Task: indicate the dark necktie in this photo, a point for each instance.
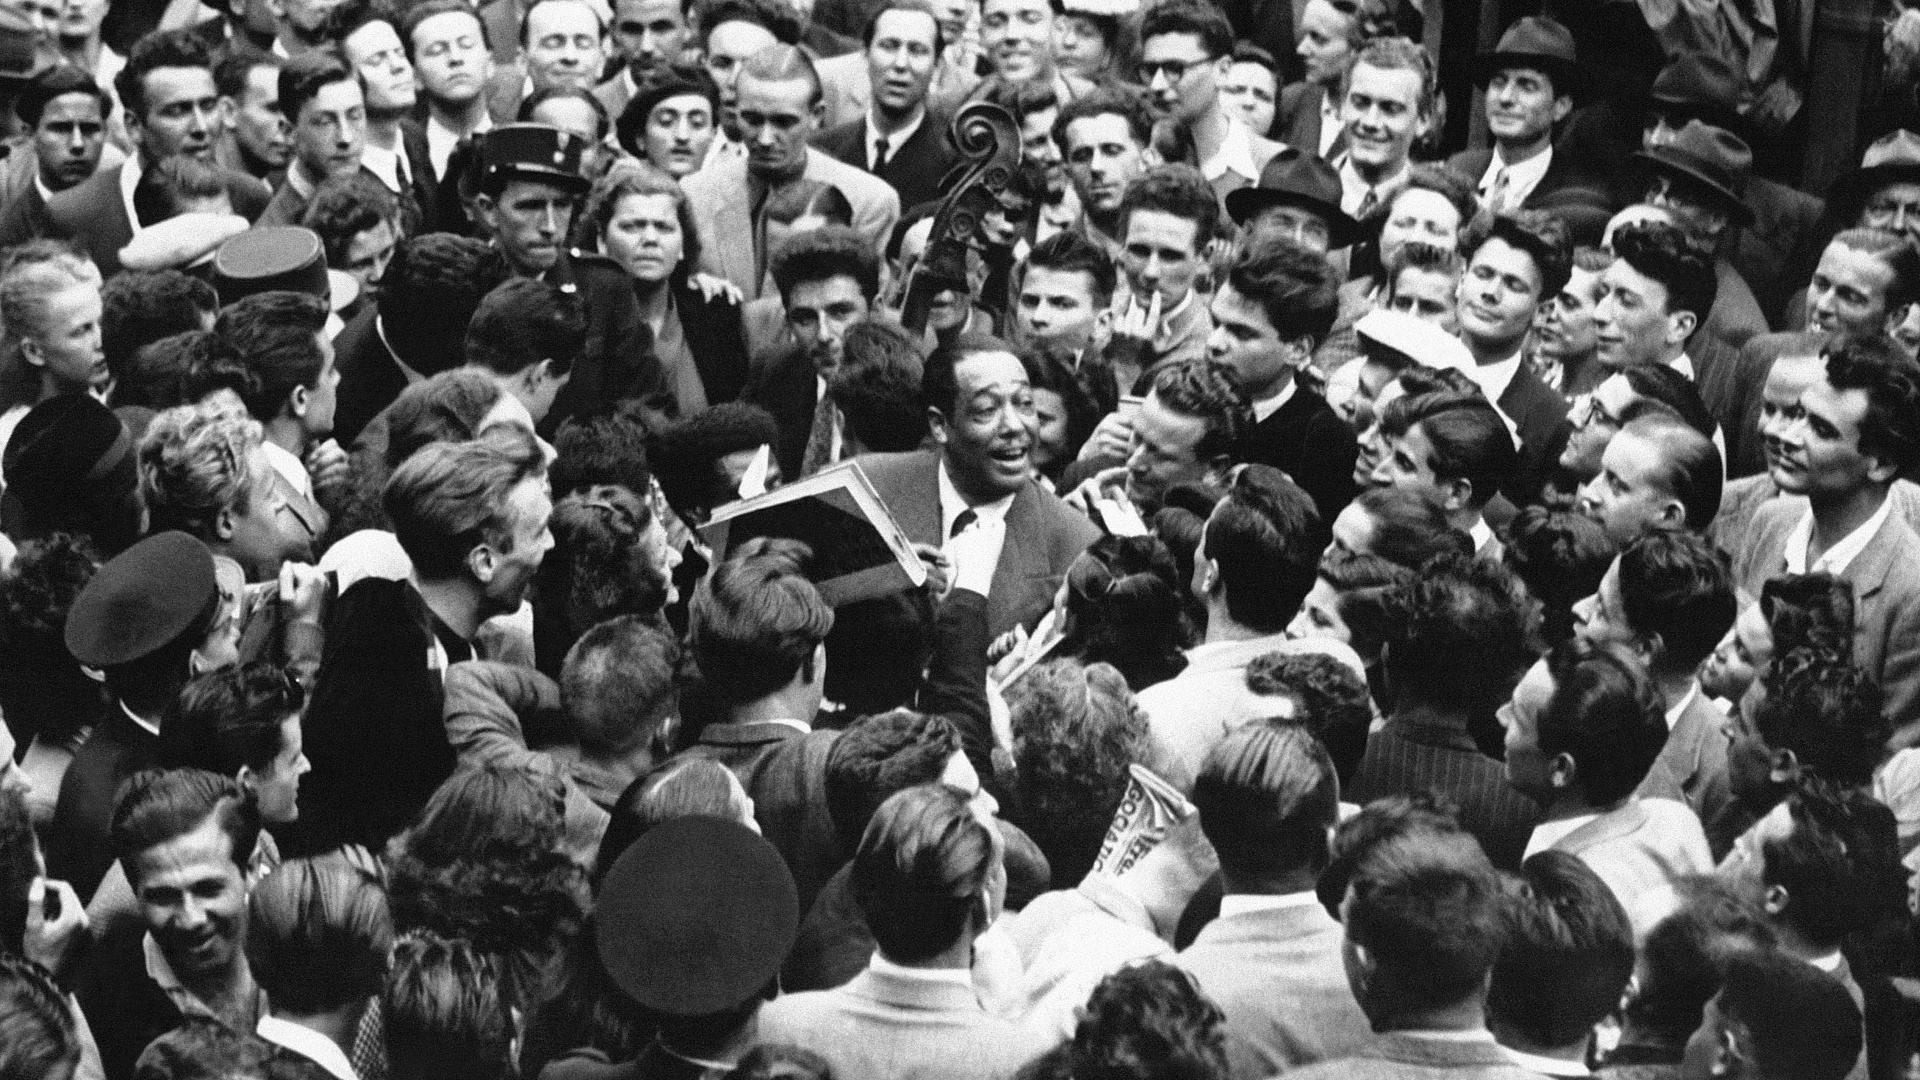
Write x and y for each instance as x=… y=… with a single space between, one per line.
x=879 y=155
x=1367 y=204
x=962 y=521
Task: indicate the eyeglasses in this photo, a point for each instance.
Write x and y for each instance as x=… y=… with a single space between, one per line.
x=1175 y=69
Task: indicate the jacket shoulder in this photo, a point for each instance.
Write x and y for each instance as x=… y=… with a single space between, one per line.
x=1471 y=163
x=592 y=262
x=840 y=139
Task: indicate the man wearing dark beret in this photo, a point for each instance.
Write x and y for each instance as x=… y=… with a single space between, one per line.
x=138 y=622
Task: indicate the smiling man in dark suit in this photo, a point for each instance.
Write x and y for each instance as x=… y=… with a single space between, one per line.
x=172 y=107
x=980 y=409
x=1528 y=81
x=900 y=140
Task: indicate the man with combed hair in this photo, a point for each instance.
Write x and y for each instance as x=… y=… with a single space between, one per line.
x=1106 y=137
x=1256 y=562
x=1064 y=292
x=1185 y=432
x=1424 y=927
x=1657 y=473
x=1654 y=295
x=526 y=335
x=1454 y=451
x=1858 y=430
x=1458 y=607
x=780 y=109
x=324 y=103
x=899 y=139
x=929 y=879
x=1386 y=106
x=204 y=471
x=1186 y=51
x=1584 y=727
x=1166 y=223
x=1775 y=1018
x=1268 y=801
x=1666 y=598
x=472 y=519
x=1524 y=262
x=1567 y=957
x=186 y=838
x=1275 y=308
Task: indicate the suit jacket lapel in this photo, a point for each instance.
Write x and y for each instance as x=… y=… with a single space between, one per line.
x=1870 y=569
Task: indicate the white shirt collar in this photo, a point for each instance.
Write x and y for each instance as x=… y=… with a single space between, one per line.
x=288 y=466
x=952 y=503
x=1548 y=833
x=1264 y=409
x=1473 y=1035
x=1841 y=555
x=39 y=185
x=1521 y=178
x=309 y=1044
x=1242 y=904
x=1829 y=963
x=896 y=140
x=1680 y=707
x=1682 y=364
x=951 y=976
x=130 y=179
x=390 y=165
x=1330 y=125
x=1235 y=153
x=145 y=724
x=1493 y=379
x=1481 y=533
x=441 y=140
x=1546 y=1066
x=1353 y=187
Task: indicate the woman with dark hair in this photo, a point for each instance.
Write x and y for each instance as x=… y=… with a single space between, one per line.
x=1397 y=526
x=646 y=225
x=1795 y=611
x=1065 y=409
x=46 y=699
x=1348 y=605
x=1121 y=604
x=610 y=557
x=1560 y=557
x=671 y=120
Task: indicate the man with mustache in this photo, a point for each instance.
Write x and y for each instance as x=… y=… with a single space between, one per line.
x=900 y=140
x=1855 y=432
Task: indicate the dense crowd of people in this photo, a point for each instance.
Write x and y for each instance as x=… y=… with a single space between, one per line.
x=1418 y=540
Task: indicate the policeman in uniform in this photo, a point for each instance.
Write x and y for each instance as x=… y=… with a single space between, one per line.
x=530 y=181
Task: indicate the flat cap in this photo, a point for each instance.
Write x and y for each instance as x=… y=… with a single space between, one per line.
x=141 y=601
x=696 y=917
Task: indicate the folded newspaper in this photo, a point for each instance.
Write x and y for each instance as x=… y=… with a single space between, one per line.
x=859 y=551
x=1147 y=811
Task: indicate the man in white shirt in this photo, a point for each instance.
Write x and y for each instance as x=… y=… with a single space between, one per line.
x=1388 y=105
x=447 y=44
x=1186 y=52
x=1528 y=82
x=1857 y=430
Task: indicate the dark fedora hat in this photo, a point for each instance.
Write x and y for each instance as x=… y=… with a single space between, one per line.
x=1701 y=83
x=1533 y=42
x=1294 y=178
x=1893 y=157
x=1712 y=157
x=21 y=59
x=534 y=152
x=696 y=917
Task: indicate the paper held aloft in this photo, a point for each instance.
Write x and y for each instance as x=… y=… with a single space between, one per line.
x=859 y=551
x=1147 y=811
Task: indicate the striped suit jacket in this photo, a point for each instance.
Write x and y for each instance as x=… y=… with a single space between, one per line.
x=1419 y=751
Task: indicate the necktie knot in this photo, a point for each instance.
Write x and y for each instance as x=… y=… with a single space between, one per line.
x=879 y=153
x=962 y=521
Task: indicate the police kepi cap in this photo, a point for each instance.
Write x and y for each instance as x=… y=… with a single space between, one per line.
x=282 y=258
x=534 y=152
x=696 y=917
x=141 y=601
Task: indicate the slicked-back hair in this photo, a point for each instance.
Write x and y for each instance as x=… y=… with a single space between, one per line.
x=784 y=63
x=877 y=387
x=1197 y=17
x=1678 y=586
x=1568 y=953
x=1266 y=537
x=139 y=307
x=1268 y=798
x=1181 y=191
x=160 y=49
x=158 y=806
x=775 y=18
x=618 y=684
x=879 y=755
x=1683 y=954
x=1070 y=251
x=1296 y=288
x=427 y=9
x=305 y=75
x=524 y=321
x=449 y=498
x=1112 y=100
x=602 y=123
x=57 y=82
x=755 y=623
x=1689 y=465
x=1891 y=428
x=824 y=254
x=1827 y=712
x=1662 y=384
x=231 y=718
x=1794 y=1019
x=1560 y=556
x=1899 y=255
x=448 y=407
x=1469 y=441
x=277 y=336
x=1362 y=584
x=1428 y=908
x=1409 y=528
x=1607 y=714
x=939 y=385
x=1839 y=864
x=1200 y=389
x=318 y=933
x=1456 y=607
x=1542 y=236
x=921 y=868
x=1675 y=258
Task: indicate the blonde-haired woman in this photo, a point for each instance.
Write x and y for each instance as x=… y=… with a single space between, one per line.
x=49 y=329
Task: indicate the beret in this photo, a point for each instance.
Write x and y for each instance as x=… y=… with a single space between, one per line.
x=141 y=600
x=63 y=442
x=696 y=917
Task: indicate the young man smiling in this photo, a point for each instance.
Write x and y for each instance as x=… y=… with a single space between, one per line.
x=1388 y=105
x=1528 y=81
x=1186 y=51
